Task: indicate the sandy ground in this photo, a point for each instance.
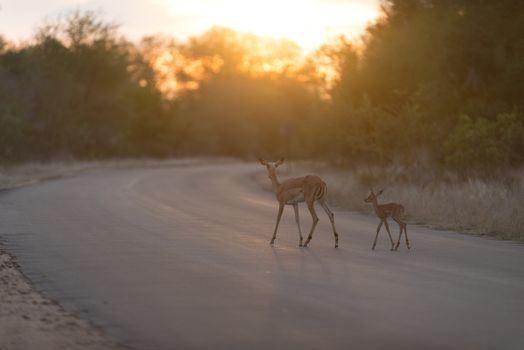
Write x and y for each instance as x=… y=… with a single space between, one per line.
x=29 y=320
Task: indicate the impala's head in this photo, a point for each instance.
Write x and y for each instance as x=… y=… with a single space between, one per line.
x=271 y=166
x=372 y=196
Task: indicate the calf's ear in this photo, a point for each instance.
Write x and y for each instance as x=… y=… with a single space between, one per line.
x=279 y=162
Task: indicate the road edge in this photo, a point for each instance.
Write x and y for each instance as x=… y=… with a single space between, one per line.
x=28 y=318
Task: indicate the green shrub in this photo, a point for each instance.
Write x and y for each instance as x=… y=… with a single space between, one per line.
x=12 y=132
x=485 y=145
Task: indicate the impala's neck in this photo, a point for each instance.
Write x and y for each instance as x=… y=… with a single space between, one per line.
x=375 y=205
x=274 y=182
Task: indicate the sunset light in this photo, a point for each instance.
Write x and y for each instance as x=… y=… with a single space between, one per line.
x=307 y=22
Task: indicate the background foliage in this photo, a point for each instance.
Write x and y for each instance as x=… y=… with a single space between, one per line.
x=433 y=82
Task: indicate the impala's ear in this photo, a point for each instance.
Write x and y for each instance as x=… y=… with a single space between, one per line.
x=262 y=161
x=279 y=162
x=380 y=192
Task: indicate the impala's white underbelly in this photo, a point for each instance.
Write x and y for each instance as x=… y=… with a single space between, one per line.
x=297 y=198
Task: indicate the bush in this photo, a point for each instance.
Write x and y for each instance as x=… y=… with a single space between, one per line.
x=12 y=136
x=485 y=145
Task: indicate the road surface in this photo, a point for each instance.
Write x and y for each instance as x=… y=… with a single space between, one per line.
x=178 y=258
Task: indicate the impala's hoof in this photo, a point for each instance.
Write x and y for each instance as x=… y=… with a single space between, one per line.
x=336 y=245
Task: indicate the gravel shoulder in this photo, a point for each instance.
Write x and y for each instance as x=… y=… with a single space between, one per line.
x=29 y=320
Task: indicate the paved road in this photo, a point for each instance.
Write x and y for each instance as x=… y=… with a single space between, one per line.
x=178 y=258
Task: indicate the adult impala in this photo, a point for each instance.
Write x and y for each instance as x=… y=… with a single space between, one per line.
x=309 y=189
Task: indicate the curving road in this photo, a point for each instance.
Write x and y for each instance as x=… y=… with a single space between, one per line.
x=178 y=258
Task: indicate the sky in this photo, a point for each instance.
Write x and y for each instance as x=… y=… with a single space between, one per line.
x=307 y=22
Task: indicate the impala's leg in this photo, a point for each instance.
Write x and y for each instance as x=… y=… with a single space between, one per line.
x=280 y=210
x=295 y=206
x=311 y=207
x=376 y=236
x=389 y=234
x=401 y=226
x=406 y=234
x=332 y=219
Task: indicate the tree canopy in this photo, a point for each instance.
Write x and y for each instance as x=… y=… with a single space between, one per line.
x=431 y=80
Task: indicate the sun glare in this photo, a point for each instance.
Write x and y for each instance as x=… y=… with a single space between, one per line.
x=307 y=22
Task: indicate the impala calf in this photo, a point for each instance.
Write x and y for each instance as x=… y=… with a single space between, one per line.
x=383 y=211
x=307 y=189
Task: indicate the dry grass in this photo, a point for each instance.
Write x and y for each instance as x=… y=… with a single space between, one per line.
x=490 y=207
x=487 y=207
